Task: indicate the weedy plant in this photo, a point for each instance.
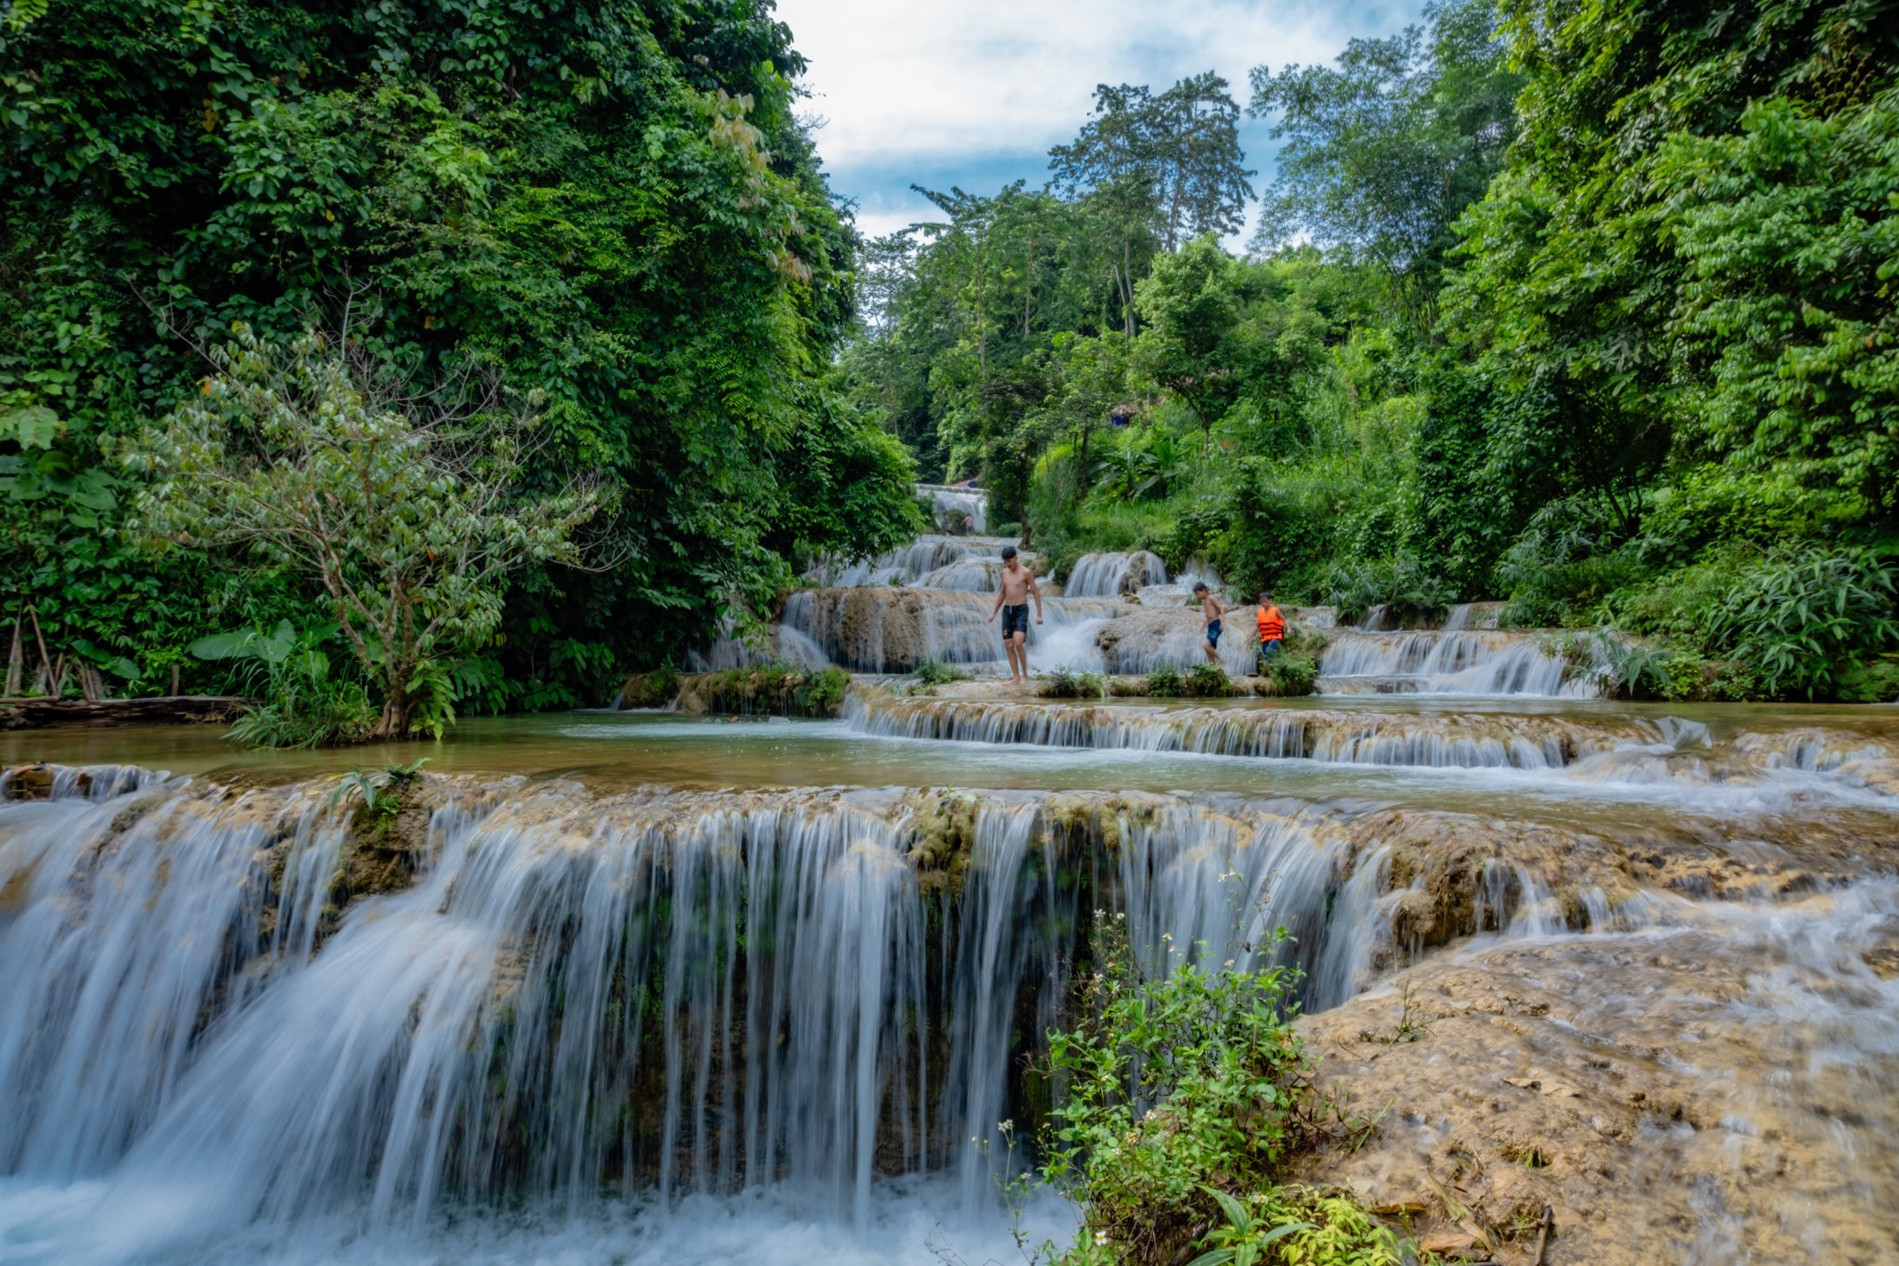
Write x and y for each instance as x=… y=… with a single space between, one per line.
x=378 y=790
x=1066 y=683
x=936 y=672
x=1165 y=683
x=1207 y=681
x=1179 y=1094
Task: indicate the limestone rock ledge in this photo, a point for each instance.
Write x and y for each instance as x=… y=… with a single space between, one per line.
x=1693 y=1094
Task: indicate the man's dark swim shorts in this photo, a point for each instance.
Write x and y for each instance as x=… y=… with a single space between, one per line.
x=1015 y=620
x=1213 y=633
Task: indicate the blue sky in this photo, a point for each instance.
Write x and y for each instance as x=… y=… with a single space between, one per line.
x=973 y=92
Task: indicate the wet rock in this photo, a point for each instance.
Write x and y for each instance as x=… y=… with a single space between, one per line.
x=28 y=782
x=1661 y=1092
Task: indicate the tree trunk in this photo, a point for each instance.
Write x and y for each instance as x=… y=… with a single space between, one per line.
x=398 y=711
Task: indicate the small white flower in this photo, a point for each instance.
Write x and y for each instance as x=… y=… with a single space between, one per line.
x=1101 y=1237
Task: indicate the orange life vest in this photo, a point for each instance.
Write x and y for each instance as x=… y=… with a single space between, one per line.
x=1272 y=625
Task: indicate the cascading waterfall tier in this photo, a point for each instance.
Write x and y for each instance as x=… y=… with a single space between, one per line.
x=1451 y=662
x=571 y=997
x=971 y=503
x=894 y=628
x=1470 y=741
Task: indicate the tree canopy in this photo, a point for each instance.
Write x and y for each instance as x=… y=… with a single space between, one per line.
x=610 y=204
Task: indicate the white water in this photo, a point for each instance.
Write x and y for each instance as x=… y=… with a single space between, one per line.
x=1450 y=662
x=1365 y=738
x=867 y=630
x=476 y=1039
x=1110 y=575
x=973 y=502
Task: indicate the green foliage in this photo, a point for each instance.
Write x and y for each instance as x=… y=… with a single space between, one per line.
x=409 y=523
x=1166 y=682
x=1798 y=616
x=1293 y=673
x=1206 y=681
x=1302 y=1226
x=1065 y=683
x=934 y=672
x=1789 y=241
x=1385 y=150
x=1181 y=147
x=781 y=689
x=1402 y=585
x=300 y=703
x=612 y=204
x=1173 y=1081
x=379 y=791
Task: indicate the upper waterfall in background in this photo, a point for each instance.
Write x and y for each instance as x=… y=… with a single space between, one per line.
x=1121 y=613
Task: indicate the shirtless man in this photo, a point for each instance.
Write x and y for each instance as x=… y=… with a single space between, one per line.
x=1211 y=609
x=1018 y=585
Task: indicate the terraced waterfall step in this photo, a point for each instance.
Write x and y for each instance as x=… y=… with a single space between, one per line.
x=1557 y=951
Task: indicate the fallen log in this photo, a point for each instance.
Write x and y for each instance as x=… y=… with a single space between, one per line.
x=33 y=713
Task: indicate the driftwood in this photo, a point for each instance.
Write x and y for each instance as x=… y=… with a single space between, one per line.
x=31 y=713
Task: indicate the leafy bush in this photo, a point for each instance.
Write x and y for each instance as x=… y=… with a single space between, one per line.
x=317 y=457
x=1565 y=562
x=1172 y=1082
x=1165 y=683
x=1874 y=681
x=1401 y=584
x=1301 y=1225
x=1206 y=681
x=1802 y=613
x=1291 y=674
x=302 y=704
x=935 y=672
x=1065 y=683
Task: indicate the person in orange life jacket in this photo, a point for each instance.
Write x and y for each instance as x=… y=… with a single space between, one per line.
x=1272 y=629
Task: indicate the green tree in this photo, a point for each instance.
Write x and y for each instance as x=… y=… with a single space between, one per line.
x=610 y=203
x=1385 y=150
x=1182 y=146
x=1789 y=236
x=401 y=508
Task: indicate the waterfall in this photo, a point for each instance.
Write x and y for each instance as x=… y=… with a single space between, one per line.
x=973 y=502
x=1450 y=662
x=1467 y=741
x=1110 y=575
x=892 y=629
x=578 y=998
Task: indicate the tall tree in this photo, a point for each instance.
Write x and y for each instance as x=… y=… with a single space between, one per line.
x=607 y=200
x=1385 y=150
x=1182 y=143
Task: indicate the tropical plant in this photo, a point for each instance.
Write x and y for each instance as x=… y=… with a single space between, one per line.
x=300 y=702
x=1171 y=1081
x=1799 y=616
x=1067 y=683
x=406 y=511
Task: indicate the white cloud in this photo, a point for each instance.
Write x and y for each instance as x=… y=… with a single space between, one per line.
x=974 y=92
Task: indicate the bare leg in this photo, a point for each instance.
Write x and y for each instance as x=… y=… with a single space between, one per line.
x=1212 y=654
x=1019 y=657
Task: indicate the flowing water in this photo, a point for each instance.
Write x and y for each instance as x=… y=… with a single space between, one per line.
x=1122 y=613
x=638 y=987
